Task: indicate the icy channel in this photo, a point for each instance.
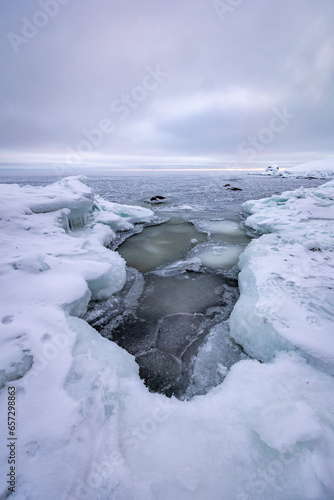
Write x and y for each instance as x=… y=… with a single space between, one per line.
x=177 y=304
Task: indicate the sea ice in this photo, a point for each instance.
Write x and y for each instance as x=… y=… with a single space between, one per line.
x=179 y=267
x=214 y=359
x=287 y=277
x=217 y=256
x=226 y=227
x=87 y=425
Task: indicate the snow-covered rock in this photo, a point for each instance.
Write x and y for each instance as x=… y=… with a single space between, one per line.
x=272 y=169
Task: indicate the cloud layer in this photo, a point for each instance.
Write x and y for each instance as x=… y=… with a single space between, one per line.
x=187 y=80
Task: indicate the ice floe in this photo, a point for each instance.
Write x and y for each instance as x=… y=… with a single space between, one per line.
x=217 y=256
x=225 y=227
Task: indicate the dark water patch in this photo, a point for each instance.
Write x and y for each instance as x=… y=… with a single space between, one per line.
x=188 y=293
x=163 y=321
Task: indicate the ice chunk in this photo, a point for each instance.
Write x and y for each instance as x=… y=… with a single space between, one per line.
x=120 y=217
x=179 y=267
x=214 y=359
x=227 y=227
x=217 y=256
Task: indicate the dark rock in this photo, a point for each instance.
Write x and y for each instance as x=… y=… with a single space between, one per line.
x=157 y=198
x=234 y=189
x=226 y=185
x=272 y=168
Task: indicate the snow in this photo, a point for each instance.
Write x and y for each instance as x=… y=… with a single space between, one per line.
x=327 y=164
x=318 y=169
x=287 y=277
x=87 y=427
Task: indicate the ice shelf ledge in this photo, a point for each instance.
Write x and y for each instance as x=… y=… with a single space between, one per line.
x=287 y=277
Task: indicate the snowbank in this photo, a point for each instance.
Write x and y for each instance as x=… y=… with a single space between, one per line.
x=87 y=428
x=318 y=165
x=319 y=169
x=287 y=277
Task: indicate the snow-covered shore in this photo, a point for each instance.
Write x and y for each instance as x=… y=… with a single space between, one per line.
x=87 y=427
x=287 y=277
x=318 y=169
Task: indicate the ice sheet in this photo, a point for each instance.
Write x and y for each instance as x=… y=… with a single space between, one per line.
x=88 y=427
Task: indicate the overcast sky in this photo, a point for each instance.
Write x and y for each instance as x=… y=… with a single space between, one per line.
x=171 y=83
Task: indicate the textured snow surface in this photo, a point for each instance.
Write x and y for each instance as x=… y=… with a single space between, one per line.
x=327 y=164
x=287 y=277
x=87 y=426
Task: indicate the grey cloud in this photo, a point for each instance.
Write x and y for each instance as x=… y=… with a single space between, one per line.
x=225 y=77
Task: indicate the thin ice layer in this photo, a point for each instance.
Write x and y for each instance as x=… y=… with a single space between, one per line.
x=217 y=256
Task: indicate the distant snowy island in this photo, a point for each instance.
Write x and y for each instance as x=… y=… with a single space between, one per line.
x=88 y=428
x=319 y=169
